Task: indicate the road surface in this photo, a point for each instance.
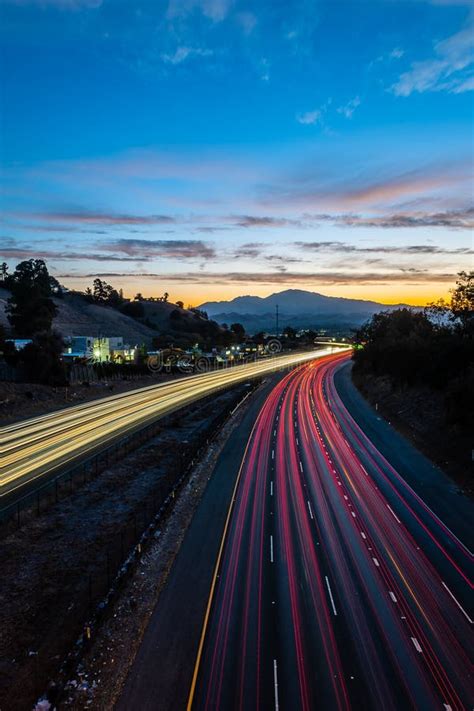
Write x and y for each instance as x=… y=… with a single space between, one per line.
x=336 y=586
x=34 y=448
x=160 y=676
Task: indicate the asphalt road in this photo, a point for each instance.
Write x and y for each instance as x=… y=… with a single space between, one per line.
x=429 y=481
x=338 y=587
x=33 y=449
x=161 y=675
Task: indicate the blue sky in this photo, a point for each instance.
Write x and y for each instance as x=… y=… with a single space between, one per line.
x=215 y=147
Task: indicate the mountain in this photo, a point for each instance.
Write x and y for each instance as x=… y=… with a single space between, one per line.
x=296 y=307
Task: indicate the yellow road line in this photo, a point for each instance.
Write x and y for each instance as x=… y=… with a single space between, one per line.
x=216 y=570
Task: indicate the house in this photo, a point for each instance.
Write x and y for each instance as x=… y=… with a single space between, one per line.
x=100 y=350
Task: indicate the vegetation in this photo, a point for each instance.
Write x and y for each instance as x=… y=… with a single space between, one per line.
x=30 y=308
x=41 y=359
x=433 y=348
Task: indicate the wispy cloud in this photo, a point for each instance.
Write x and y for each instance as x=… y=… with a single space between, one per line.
x=101 y=218
x=366 y=192
x=348 y=109
x=308 y=279
x=450 y=70
x=215 y=10
x=19 y=252
x=335 y=246
x=171 y=249
x=264 y=221
x=452 y=219
x=181 y=54
x=396 y=53
x=308 y=118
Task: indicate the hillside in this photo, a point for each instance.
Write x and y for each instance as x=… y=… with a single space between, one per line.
x=297 y=308
x=76 y=317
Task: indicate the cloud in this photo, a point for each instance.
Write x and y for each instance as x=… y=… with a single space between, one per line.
x=102 y=218
x=251 y=250
x=396 y=53
x=467 y=85
x=256 y=221
x=309 y=117
x=334 y=246
x=170 y=249
x=454 y=57
x=183 y=53
x=349 y=108
x=18 y=252
x=321 y=278
x=215 y=10
x=451 y=219
x=364 y=192
x=247 y=21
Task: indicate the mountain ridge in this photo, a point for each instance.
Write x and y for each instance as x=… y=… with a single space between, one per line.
x=304 y=308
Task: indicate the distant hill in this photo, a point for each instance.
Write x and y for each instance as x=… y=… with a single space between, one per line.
x=298 y=308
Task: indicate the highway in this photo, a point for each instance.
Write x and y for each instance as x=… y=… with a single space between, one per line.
x=335 y=585
x=34 y=448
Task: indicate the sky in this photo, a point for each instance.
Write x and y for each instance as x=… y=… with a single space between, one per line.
x=213 y=148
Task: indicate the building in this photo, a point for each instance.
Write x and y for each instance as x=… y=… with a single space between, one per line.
x=103 y=349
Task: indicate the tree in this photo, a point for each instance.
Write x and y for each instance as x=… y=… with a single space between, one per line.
x=180 y=304
x=290 y=333
x=3 y=272
x=105 y=294
x=238 y=330
x=462 y=298
x=42 y=359
x=437 y=312
x=30 y=309
x=165 y=296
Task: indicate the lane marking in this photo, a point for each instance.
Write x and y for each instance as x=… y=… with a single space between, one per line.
x=271 y=488
x=458 y=603
x=197 y=663
x=363 y=535
x=271 y=549
x=310 y=511
x=353 y=514
x=416 y=644
x=331 y=597
x=376 y=562
x=301 y=467
x=273 y=454
x=275 y=684
x=392 y=596
x=393 y=514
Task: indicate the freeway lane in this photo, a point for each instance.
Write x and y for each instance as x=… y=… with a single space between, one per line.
x=338 y=587
x=33 y=448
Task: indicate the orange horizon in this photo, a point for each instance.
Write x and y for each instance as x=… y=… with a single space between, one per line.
x=196 y=294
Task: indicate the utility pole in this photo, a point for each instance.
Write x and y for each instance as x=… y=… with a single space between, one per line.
x=276 y=316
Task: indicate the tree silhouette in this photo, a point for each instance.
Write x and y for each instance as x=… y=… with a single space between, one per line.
x=30 y=308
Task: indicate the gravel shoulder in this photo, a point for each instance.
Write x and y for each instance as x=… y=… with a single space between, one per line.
x=54 y=568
